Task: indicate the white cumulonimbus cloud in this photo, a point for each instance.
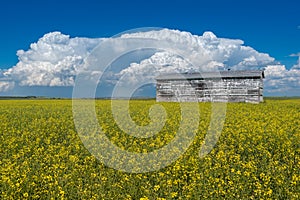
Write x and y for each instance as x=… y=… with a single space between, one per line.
x=53 y=61
x=219 y=54
x=6 y=85
x=296 y=66
x=56 y=59
x=279 y=79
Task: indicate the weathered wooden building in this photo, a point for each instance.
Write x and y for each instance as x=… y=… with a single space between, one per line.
x=223 y=86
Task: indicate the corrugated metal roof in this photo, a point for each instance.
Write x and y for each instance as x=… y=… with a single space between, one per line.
x=208 y=75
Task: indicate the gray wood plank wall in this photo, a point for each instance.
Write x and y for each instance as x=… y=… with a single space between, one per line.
x=210 y=90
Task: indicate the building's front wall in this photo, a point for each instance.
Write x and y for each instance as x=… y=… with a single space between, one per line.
x=215 y=90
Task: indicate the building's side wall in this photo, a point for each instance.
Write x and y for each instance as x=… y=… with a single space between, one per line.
x=216 y=90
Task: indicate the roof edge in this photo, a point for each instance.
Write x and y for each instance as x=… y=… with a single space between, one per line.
x=213 y=74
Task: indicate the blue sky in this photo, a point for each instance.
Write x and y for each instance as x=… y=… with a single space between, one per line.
x=271 y=27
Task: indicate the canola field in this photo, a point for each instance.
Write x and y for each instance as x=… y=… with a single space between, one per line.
x=256 y=157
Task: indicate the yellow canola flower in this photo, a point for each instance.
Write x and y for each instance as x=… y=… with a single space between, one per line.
x=256 y=157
